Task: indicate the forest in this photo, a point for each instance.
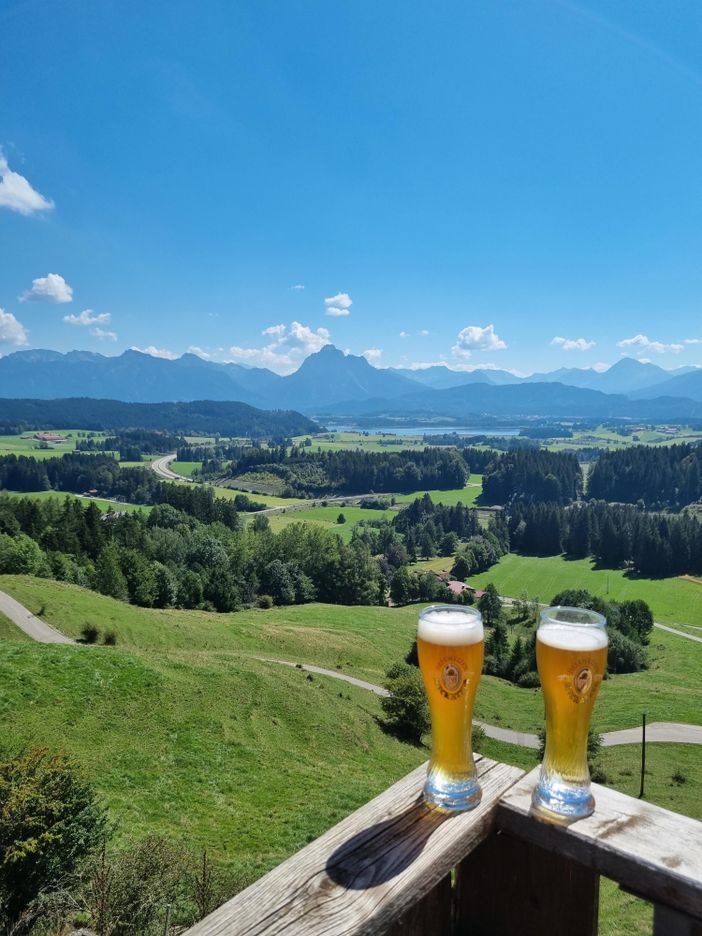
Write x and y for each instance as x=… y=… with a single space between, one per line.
x=308 y=473
x=203 y=417
x=533 y=475
x=665 y=476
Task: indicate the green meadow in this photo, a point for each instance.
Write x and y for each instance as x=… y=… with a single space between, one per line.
x=673 y=600
x=186 y=733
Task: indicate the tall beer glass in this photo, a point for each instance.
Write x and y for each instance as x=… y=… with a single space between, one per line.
x=571 y=654
x=450 y=647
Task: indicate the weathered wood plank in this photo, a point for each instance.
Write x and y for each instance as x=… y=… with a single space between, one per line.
x=366 y=872
x=650 y=851
x=431 y=916
x=507 y=886
x=667 y=922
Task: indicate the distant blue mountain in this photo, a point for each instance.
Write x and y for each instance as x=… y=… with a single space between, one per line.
x=333 y=382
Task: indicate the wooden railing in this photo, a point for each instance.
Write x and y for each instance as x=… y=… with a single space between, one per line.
x=395 y=867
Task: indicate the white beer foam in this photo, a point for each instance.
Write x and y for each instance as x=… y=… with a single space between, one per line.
x=572 y=637
x=449 y=628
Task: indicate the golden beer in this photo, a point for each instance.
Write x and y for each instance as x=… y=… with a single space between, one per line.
x=571 y=655
x=450 y=647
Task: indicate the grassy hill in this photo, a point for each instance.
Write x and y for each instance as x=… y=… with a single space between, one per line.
x=184 y=732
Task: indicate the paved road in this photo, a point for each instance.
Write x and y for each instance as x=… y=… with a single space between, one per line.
x=162 y=468
x=656 y=731
x=31 y=625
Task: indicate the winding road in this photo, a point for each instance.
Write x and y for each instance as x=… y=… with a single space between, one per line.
x=673 y=732
x=162 y=468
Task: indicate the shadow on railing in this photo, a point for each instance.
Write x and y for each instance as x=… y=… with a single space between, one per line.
x=395 y=867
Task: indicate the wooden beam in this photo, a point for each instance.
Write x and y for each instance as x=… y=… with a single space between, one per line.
x=507 y=886
x=367 y=872
x=667 y=922
x=650 y=851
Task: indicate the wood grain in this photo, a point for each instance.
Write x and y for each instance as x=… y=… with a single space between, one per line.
x=650 y=851
x=508 y=886
x=367 y=872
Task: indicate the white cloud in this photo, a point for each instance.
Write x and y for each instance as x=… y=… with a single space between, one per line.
x=103 y=335
x=372 y=355
x=644 y=343
x=11 y=331
x=336 y=311
x=601 y=367
x=424 y=332
x=290 y=344
x=200 y=352
x=298 y=287
x=49 y=288
x=692 y=340
x=573 y=344
x=17 y=194
x=404 y=334
x=338 y=305
x=462 y=368
x=474 y=338
x=88 y=317
x=156 y=352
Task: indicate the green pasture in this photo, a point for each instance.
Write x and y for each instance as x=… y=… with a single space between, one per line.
x=673 y=600
x=467 y=495
x=26 y=444
x=185 y=733
x=185 y=467
x=376 y=442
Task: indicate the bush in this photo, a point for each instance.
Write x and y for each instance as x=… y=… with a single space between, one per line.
x=265 y=602
x=406 y=710
x=50 y=820
x=110 y=639
x=478 y=737
x=127 y=891
x=529 y=680
x=90 y=633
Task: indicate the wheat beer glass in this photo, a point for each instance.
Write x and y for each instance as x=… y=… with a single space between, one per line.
x=571 y=654
x=450 y=648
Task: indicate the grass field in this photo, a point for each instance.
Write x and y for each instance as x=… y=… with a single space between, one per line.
x=673 y=600
x=270 y=500
x=467 y=495
x=185 y=733
x=185 y=468
x=338 y=441
x=105 y=505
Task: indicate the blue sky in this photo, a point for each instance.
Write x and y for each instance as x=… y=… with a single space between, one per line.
x=461 y=181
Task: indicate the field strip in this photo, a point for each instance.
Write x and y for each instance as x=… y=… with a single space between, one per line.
x=673 y=732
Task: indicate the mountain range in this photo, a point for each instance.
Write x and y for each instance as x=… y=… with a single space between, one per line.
x=330 y=382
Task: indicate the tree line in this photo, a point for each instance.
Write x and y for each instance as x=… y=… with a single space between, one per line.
x=654 y=544
x=664 y=476
x=169 y=558
x=308 y=473
x=201 y=417
x=534 y=475
x=131 y=444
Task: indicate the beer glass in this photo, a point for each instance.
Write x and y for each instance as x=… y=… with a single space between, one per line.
x=571 y=655
x=450 y=647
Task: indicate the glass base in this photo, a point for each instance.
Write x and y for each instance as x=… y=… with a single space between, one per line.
x=452 y=795
x=564 y=799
